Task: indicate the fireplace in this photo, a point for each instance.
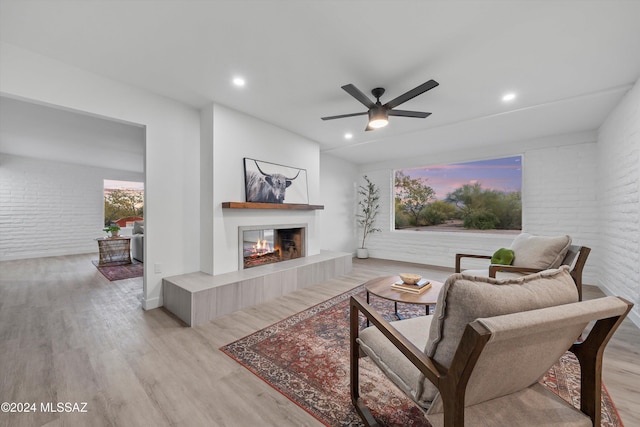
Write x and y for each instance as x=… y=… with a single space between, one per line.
x=267 y=244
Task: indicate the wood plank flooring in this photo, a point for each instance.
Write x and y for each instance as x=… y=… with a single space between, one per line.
x=69 y=335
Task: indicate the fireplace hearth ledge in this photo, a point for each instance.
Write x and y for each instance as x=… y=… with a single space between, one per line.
x=197 y=298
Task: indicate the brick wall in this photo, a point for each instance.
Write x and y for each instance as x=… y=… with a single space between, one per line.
x=559 y=197
x=51 y=208
x=619 y=201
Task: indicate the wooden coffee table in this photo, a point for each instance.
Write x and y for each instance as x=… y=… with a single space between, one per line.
x=381 y=287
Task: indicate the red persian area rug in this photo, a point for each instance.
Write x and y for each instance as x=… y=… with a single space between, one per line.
x=121 y=272
x=306 y=358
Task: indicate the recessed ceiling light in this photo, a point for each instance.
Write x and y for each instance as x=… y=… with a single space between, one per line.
x=509 y=97
x=348 y=135
x=239 y=81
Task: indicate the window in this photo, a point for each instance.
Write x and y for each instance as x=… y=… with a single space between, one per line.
x=480 y=195
x=123 y=202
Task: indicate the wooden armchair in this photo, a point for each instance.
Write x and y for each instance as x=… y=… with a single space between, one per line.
x=576 y=257
x=492 y=377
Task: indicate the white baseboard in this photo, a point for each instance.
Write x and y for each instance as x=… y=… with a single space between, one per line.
x=47 y=254
x=151 y=303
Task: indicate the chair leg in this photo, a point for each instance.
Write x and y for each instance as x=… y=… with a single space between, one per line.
x=589 y=354
x=354 y=370
x=365 y=414
x=354 y=347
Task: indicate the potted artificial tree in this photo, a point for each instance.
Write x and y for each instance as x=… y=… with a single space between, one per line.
x=368 y=207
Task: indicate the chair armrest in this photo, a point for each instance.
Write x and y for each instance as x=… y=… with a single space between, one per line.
x=460 y=256
x=494 y=268
x=424 y=363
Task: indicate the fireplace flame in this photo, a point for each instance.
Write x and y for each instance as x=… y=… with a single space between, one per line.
x=261 y=247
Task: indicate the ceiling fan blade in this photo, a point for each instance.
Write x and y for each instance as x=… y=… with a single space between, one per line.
x=411 y=94
x=342 y=116
x=405 y=113
x=357 y=94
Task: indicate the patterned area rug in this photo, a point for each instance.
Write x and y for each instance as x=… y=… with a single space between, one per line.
x=306 y=358
x=121 y=272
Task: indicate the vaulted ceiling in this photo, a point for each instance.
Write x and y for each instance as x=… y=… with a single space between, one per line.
x=569 y=62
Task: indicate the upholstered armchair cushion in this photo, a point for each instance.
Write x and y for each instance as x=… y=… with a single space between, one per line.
x=465 y=298
x=138 y=227
x=539 y=251
x=532 y=406
x=391 y=360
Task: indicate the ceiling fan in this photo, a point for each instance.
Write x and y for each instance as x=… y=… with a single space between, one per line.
x=379 y=113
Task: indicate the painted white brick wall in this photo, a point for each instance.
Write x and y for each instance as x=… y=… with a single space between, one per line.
x=559 y=192
x=51 y=208
x=619 y=201
x=560 y=197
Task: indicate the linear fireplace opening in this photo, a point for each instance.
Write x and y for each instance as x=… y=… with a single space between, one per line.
x=267 y=244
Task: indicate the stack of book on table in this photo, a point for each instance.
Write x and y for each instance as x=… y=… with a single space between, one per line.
x=420 y=287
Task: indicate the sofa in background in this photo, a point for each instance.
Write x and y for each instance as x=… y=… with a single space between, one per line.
x=137 y=241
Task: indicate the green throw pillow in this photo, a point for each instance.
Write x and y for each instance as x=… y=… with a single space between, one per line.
x=502 y=256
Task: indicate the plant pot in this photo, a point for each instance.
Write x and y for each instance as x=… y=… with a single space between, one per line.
x=362 y=253
x=114 y=234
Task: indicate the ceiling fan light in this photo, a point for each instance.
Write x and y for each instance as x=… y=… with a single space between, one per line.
x=379 y=123
x=378 y=118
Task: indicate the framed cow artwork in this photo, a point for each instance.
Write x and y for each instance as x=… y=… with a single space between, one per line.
x=266 y=182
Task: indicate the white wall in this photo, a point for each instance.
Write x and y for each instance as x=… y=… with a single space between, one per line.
x=172 y=170
x=338 y=191
x=236 y=136
x=51 y=208
x=619 y=201
x=206 y=189
x=559 y=197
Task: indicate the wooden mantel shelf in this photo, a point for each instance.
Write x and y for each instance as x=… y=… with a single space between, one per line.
x=286 y=206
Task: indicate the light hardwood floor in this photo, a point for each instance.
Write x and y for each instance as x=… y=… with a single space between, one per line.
x=69 y=335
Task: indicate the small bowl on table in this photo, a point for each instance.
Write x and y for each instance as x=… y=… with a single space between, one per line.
x=410 y=278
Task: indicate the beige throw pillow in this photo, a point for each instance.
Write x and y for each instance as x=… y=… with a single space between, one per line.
x=539 y=251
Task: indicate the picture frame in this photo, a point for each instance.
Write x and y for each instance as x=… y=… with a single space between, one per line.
x=267 y=182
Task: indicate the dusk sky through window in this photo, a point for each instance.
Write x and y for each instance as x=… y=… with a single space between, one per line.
x=123 y=185
x=504 y=174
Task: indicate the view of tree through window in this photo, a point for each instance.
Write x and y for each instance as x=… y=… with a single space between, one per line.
x=481 y=195
x=123 y=199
